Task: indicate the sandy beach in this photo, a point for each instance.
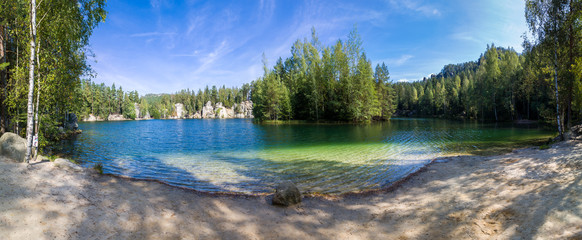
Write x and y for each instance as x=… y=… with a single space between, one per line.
x=526 y=194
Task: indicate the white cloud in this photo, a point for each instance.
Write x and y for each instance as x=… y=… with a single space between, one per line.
x=416 y=7
x=397 y=61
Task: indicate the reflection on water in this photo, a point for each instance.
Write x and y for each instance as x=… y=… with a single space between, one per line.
x=237 y=155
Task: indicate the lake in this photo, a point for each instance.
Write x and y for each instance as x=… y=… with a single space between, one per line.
x=237 y=155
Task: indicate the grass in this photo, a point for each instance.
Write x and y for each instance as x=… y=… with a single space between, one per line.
x=98 y=167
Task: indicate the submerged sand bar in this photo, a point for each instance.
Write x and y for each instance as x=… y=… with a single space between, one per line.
x=528 y=193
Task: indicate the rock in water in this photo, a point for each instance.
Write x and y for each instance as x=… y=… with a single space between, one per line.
x=286 y=194
x=64 y=163
x=13 y=146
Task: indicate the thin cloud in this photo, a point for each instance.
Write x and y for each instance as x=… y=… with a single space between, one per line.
x=397 y=61
x=464 y=36
x=152 y=34
x=416 y=7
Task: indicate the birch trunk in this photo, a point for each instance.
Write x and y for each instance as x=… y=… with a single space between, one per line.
x=30 y=116
x=557 y=94
x=3 y=94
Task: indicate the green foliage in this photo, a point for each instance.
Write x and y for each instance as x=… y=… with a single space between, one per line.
x=331 y=83
x=501 y=83
x=63 y=31
x=4 y=65
x=98 y=167
x=544 y=147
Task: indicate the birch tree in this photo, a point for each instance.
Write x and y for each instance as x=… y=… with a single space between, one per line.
x=31 y=63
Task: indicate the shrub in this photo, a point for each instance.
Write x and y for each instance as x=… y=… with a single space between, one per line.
x=99 y=168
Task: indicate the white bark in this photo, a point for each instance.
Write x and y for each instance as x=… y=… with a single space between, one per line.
x=3 y=117
x=30 y=116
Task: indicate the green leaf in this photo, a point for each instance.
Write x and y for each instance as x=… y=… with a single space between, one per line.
x=4 y=65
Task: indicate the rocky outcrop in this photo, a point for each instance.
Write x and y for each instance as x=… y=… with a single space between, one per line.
x=179 y=110
x=116 y=117
x=241 y=110
x=13 y=147
x=92 y=118
x=244 y=110
x=137 y=110
x=220 y=111
x=208 y=110
x=286 y=194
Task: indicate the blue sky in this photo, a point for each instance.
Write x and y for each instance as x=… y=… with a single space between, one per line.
x=163 y=46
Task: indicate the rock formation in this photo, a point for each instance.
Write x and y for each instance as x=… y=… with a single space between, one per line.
x=92 y=118
x=13 y=146
x=179 y=110
x=241 y=110
x=244 y=110
x=286 y=194
x=116 y=117
x=137 y=110
x=208 y=110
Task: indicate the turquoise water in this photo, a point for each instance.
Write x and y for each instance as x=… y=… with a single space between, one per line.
x=237 y=155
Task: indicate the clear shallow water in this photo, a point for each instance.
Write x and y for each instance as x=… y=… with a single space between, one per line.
x=239 y=156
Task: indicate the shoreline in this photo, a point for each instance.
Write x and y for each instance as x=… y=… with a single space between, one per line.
x=529 y=193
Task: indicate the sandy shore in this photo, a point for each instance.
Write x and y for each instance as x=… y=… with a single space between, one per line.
x=527 y=194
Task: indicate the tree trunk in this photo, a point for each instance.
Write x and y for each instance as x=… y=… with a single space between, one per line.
x=494 y=107
x=3 y=117
x=571 y=75
x=36 y=109
x=557 y=94
x=30 y=116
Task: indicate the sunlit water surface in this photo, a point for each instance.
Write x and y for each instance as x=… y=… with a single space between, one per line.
x=236 y=155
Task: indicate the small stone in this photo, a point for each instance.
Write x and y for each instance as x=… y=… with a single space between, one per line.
x=286 y=194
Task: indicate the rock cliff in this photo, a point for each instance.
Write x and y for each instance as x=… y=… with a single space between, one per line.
x=242 y=110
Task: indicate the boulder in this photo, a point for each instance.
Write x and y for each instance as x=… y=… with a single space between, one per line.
x=197 y=115
x=66 y=164
x=286 y=194
x=13 y=146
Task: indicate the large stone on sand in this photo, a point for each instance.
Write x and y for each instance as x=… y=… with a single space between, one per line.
x=286 y=194
x=13 y=147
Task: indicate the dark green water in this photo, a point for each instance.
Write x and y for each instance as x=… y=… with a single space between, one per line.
x=237 y=155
